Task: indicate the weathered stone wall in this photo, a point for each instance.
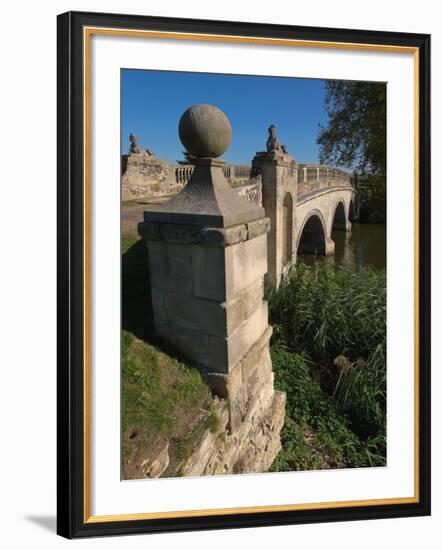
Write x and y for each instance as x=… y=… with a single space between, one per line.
x=250 y=449
x=145 y=175
x=190 y=293
x=249 y=189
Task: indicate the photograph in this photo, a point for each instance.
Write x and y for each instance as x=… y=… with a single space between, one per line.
x=243 y=269
x=227 y=220
x=253 y=274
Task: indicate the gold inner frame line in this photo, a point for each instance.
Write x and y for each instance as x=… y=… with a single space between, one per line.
x=87 y=34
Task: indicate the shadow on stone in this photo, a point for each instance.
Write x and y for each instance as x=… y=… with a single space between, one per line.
x=136 y=305
x=136 y=301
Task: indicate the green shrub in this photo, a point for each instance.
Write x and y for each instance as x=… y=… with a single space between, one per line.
x=309 y=407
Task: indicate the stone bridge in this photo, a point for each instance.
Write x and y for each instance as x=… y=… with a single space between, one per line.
x=305 y=203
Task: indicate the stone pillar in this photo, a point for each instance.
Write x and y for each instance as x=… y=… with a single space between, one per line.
x=207 y=258
x=279 y=176
x=329 y=246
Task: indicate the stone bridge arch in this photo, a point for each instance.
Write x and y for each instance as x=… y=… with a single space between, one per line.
x=339 y=218
x=312 y=234
x=332 y=207
x=340 y=214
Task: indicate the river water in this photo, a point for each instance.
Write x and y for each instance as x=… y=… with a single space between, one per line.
x=366 y=245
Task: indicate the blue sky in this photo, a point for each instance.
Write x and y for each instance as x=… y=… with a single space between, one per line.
x=153 y=102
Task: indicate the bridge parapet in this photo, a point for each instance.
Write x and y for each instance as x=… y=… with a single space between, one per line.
x=315 y=177
x=236 y=174
x=183 y=173
x=239 y=176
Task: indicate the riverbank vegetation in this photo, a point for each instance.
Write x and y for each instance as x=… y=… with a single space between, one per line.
x=328 y=352
x=355 y=138
x=329 y=355
x=372 y=191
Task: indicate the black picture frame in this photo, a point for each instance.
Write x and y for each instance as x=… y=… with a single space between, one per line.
x=72 y=393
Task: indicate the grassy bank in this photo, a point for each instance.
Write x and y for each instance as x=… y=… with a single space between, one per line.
x=162 y=400
x=329 y=352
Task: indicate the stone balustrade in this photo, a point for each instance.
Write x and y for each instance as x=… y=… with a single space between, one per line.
x=183 y=173
x=311 y=178
x=314 y=177
x=146 y=176
x=234 y=173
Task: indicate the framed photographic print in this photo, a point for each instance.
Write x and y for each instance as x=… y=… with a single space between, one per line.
x=243 y=274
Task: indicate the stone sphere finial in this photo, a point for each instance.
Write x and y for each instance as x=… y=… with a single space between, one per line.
x=205 y=131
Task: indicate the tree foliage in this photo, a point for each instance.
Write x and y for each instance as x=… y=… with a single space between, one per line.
x=355 y=135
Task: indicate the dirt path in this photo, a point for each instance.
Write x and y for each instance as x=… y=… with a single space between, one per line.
x=132 y=214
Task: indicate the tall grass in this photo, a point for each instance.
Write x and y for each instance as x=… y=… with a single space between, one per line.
x=328 y=311
x=334 y=318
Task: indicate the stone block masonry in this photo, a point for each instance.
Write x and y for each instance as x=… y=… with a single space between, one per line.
x=145 y=175
x=207 y=250
x=279 y=172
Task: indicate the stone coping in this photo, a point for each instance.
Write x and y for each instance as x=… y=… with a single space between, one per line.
x=305 y=197
x=210 y=236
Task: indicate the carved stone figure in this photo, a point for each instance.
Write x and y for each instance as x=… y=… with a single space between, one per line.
x=273 y=143
x=134 y=145
x=136 y=148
